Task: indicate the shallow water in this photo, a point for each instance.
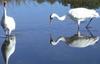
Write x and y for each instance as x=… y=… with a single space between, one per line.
x=33 y=33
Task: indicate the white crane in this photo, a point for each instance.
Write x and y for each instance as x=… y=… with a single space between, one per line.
x=77 y=40
x=7 y=22
x=8 y=47
x=78 y=15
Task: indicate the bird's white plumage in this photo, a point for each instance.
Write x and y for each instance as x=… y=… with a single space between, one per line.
x=83 y=13
x=7 y=22
x=78 y=15
x=10 y=23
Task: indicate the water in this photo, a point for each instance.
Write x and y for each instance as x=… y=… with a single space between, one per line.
x=33 y=34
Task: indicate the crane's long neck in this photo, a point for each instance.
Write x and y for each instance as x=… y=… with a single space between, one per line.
x=59 y=17
x=4 y=12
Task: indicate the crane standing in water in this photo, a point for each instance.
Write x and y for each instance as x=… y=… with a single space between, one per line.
x=7 y=22
x=78 y=15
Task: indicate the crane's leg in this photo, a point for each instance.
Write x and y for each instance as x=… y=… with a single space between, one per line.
x=78 y=23
x=89 y=22
x=9 y=32
x=78 y=27
x=6 y=32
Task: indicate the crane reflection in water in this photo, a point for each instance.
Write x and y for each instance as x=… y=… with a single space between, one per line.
x=77 y=40
x=8 y=47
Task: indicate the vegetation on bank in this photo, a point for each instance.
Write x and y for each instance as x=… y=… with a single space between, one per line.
x=74 y=3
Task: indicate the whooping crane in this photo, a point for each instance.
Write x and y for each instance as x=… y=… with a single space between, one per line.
x=7 y=22
x=78 y=15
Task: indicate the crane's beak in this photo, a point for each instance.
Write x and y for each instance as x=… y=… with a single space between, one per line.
x=50 y=20
x=51 y=40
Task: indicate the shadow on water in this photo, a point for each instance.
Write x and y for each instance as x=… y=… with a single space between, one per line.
x=8 y=48
x=77 y=40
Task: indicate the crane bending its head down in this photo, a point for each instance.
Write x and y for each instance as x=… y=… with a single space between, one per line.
x=55 y=15
x=78 y=15
x=7 y=22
